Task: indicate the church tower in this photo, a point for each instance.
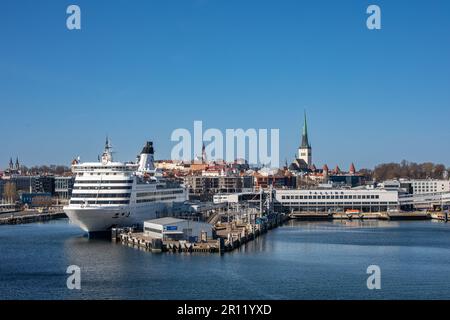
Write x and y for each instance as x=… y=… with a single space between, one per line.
x=305 y=152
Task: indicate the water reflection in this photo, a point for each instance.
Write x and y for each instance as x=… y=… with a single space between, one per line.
x=300 y=260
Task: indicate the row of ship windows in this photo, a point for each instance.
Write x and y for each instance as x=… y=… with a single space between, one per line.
x=155 y=199
x=103 y=181
x=109 y=168
x=104 y=188
x=332 y=197
x=101 y=195
x=160 y=193
x=119 y=201
x=100 y=202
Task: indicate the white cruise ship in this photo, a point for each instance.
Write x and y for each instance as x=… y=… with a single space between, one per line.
x=110 y=194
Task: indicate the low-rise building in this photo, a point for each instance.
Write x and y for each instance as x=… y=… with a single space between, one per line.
x=205 y=187
x=36 y=199
x=276 y=178
x=426 y=186
x=170 y=165
x=23 y=183
x=44 y=184
x=64 y=187
x=336 y=200
x=242 y=197
x=178 y=229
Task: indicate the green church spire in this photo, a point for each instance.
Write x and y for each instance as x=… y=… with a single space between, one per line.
x=305 y=142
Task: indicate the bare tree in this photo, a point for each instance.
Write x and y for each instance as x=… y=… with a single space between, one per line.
x=408 y=170
x=10 y=192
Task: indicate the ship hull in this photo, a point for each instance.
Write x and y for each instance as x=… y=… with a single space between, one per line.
x=102 y=219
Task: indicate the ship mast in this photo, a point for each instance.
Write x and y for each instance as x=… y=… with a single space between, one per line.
x=107 y=154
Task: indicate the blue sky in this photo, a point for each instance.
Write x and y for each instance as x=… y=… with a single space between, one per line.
x=140 y=69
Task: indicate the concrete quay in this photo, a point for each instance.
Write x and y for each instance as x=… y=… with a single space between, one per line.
x=22 y=217
x=310 y=216
x=141 y=241
x=229 y=236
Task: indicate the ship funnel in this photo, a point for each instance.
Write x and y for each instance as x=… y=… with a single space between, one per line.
x=146 y=159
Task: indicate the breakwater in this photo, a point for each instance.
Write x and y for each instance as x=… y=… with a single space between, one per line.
x=24 y=217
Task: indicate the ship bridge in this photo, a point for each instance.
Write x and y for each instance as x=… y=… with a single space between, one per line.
x=109 y=167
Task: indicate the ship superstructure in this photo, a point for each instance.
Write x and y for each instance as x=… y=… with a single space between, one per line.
x=109 y=194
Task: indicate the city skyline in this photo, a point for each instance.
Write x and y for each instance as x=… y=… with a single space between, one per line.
x=137 y=74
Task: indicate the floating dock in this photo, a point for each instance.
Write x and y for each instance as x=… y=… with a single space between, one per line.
x=441 y=216
x=311 y=216
x=408 y=216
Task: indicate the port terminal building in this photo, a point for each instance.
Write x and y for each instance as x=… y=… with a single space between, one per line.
x=321 y=200
x=336 y=200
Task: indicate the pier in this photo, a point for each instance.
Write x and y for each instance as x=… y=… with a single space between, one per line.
x=141 y=241
x=30 y=217
x=229 y=236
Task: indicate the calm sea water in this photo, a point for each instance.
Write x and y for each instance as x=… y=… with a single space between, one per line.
x=301 y=260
